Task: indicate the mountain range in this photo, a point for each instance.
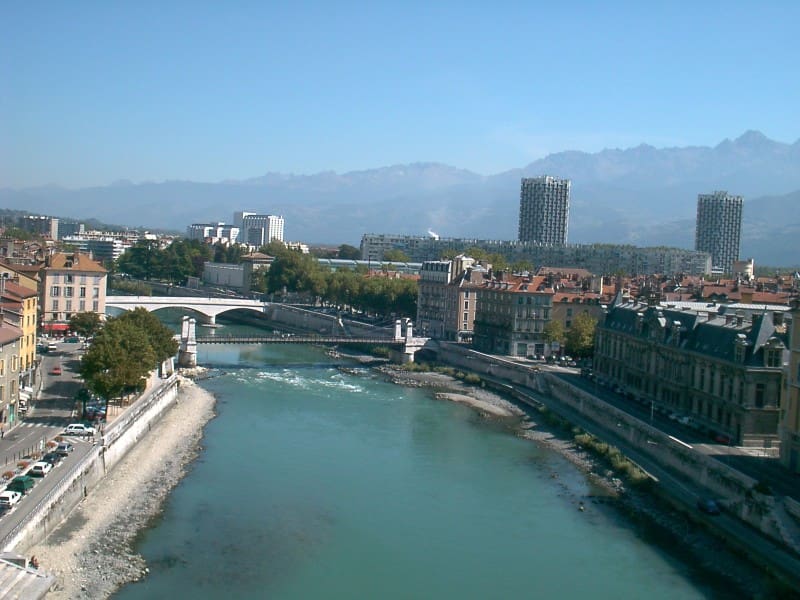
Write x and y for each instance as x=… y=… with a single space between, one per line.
x=644 y=195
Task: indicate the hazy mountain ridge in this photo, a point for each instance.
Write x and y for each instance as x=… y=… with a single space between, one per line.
x=642 y=195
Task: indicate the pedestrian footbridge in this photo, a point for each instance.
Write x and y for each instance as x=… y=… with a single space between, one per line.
x=207 y=308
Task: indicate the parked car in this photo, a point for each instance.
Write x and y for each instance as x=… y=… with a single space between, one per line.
x=9 y=498
x=40 y=469
x=73 y=339
x=52 y=457
x=64 y=448
x=21 y=484
x=78 y=429
x=708 y=506
x=55 y=370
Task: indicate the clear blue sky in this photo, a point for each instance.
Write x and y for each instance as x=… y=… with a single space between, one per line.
x=93 y=92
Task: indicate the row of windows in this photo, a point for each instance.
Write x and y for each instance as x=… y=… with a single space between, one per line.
x=70 y=278
x=55 y=292
x=81 y=306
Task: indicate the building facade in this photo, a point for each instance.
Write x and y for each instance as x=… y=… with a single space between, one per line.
x=790 y=405
x=511 y=315
x=719 y=228
x=20 y=307
x=10 y=336
x=544 y=210
x=259 y=230
x=71 y=283
x=722 y=371
x=213 y=232
x=447 y=298
x=597 y=258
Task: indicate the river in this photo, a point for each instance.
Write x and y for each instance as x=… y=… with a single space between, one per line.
x=313 y=483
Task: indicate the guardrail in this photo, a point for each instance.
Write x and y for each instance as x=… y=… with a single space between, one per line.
x=52 y=495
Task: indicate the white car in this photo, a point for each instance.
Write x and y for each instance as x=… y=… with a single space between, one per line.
x=78 y=429
x=40 y=469
x=9 y=498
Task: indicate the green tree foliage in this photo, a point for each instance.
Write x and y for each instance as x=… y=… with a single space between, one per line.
x=124 y=352
x=580 y=337
x=176 y=262
x=118 y=360
x=296 y=272
x=85 y=323
x=553 y=331
x=274 y=248
x=348 y=252
x=159 y=336
x=395 y=255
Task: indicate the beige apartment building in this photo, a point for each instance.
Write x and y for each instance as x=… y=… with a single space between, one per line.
x=20 y=308
x=71 y=283
x=511 y=315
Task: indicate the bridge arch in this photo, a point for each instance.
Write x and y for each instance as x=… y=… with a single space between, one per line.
x=207 y=308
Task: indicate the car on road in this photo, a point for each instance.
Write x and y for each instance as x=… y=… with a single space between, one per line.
x=40 y=469
x=52 y=457
x=73 y=339
x=64 y=448
x=708 y=506
x=78 y=429
x=9 y=498
x=55 y=370
x=21 y=484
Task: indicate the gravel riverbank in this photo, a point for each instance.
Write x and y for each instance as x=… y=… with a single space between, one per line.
x=91 y=552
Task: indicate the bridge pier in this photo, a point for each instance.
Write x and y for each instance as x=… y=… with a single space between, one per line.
x=210 y=320
x=187 y=352
x=404 y=330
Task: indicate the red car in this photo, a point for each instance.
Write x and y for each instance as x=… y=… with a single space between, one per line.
x=55 y=370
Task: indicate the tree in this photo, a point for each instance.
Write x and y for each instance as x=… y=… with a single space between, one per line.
x=553 y=332
x=580 y=337
x=119 y=359
x=85 y=323
x=348 y=252
x=395 y=255
x=160 y=337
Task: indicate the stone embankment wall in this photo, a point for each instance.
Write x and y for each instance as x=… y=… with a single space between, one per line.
x=116 y=441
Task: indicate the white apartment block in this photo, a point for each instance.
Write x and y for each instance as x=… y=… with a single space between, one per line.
x=259 y=230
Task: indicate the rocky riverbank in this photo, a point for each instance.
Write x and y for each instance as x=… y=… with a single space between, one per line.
x=91 y=553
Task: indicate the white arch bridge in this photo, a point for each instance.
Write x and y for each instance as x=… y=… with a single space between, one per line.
x=208 y=308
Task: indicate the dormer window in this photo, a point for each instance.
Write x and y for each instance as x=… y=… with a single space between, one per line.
x=773 y=353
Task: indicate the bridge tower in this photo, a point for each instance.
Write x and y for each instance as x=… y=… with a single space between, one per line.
x=187 y=352
x=404 y=331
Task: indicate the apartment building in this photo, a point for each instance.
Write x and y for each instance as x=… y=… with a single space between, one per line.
x=10 y=336
x=20 y=307
x=721 y=369
x=544 y=210
x=511 y=315
x=719 y=228
x=70 y=283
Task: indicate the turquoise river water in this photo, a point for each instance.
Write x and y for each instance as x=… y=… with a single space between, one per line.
x=313 y=483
